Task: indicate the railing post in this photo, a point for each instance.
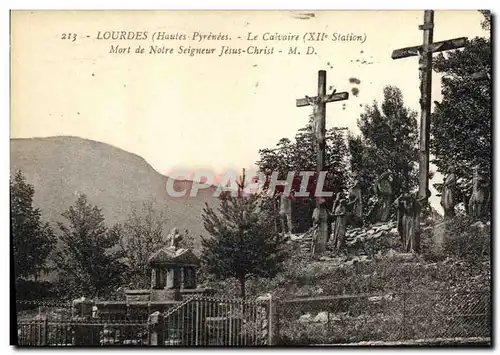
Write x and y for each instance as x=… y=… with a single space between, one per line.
x=39 y=323
x=84 y=333
x=271 y=319
x=271 y=312
x=275 y=322
x=46 y=330
x=157 y=325
x=197 y=324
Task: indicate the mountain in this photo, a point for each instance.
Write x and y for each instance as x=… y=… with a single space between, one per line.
x=61 y=168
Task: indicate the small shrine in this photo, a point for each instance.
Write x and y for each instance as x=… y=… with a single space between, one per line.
x=173 y=274
x=173 y=269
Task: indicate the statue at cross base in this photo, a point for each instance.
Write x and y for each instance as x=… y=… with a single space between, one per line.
x=318 y=215
x=339 y=213
x=479 y=201
x=355 y=203
x=285 y=212
x=448 y=194
x=409 y=207
x=383 y=190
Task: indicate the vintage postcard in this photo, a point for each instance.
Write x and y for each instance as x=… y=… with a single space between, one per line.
x=251 y=178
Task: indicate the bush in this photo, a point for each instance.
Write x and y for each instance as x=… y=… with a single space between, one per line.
x=343 y=328
x=467 y=240
x=28 y=290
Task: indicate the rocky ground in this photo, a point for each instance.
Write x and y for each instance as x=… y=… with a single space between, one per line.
x=365 y=243
x=361 y=243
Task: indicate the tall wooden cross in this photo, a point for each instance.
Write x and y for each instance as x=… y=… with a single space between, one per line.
x=424 y=52
x=319 y=111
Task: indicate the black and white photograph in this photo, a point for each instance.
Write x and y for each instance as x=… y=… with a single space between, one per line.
x=251 y=178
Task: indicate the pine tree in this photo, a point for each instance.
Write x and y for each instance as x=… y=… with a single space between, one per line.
x=243 y=240
x=89 y=262
x=32 y=239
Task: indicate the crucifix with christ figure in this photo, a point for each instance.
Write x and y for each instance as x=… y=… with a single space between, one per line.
x=319 y=123
x=424 y=53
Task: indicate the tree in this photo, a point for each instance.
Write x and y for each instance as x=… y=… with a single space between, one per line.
x=301 y=155
x=141 y=235
x=243 y=242
x=89 y=260
x=461 y=122
x=388 y=140
x=32 y=239
x=486 y=23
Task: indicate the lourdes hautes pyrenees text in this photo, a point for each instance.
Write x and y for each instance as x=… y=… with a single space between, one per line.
x=216 y=43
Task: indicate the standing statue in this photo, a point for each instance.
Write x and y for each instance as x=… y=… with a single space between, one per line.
x=175 y=238
x=383 y=190
x=285 y=213
x=411 y=222
x=339 y=212
x=355 y=204
x=479 y=201
x=448 y=194
x=317 y=217
x=400 y=212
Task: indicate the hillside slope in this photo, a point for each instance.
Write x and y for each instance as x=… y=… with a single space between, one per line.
x=61 y=168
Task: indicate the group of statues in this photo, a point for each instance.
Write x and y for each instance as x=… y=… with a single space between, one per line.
x=477 y=205
x=347 y=209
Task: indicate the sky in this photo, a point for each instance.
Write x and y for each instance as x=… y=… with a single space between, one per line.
x=206 y=112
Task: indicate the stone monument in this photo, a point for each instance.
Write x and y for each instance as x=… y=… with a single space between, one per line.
x=173 y=272
x=173 y=269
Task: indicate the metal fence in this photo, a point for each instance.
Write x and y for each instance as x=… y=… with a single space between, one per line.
x=209 y=321
x=389 y=317
x=47 y=332
x=197 y=321
x=216 y=321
